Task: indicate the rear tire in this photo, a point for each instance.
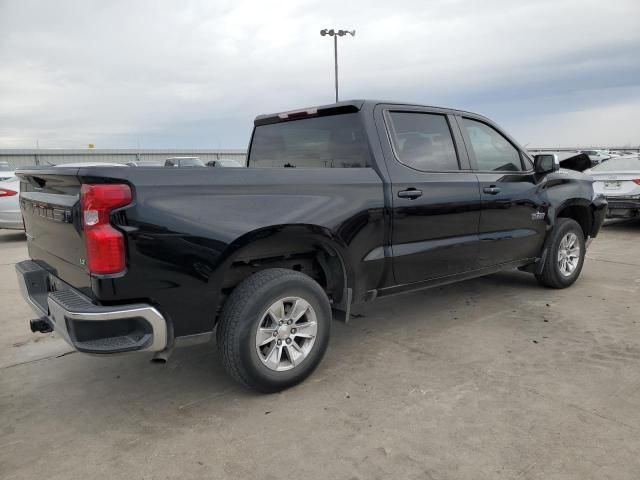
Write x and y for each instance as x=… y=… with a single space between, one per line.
x=274 y=329
x=565 y=255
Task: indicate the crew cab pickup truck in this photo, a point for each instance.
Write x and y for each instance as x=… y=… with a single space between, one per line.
x=339 y=204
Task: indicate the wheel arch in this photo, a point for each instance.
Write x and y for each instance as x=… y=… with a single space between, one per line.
x=310 y=249
x=578 y=209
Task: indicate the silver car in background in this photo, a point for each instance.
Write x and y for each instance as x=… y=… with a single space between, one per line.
x=225 y=163
x=10 y=216
x=618 y=180
x=183 y=162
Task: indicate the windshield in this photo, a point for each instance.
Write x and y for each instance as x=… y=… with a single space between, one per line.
x=618 y=164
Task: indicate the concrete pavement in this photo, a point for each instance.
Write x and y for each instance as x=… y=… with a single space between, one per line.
x=485 y=379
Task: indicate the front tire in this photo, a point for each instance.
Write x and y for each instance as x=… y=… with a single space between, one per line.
x=274 y=329
x=565 y=255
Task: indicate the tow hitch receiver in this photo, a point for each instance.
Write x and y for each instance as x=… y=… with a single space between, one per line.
x=41 y=325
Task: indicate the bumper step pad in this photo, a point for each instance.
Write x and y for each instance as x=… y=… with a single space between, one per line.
x=86 y=326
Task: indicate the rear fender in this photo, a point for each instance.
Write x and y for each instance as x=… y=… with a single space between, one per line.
x=285 y=241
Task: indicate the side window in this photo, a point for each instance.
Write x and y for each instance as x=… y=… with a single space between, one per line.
x=423 y=141
x=492 y=150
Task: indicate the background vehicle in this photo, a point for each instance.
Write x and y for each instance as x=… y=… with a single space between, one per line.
x=597 y=156
x=618 y=180
x=224 y=163
x=183 y=162
x=6 y=171
x=146 y=163
x=90 y=164
x=340 y=204
x=10 y=216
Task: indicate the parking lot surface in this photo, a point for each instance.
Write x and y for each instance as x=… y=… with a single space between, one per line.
x=490 y=378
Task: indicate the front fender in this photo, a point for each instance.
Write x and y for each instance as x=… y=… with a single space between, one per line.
x=599 y=208
x=554 y=210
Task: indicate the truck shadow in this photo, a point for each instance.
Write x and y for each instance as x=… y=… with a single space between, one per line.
x=12 y=236
x=194 y=380
x=632 y=225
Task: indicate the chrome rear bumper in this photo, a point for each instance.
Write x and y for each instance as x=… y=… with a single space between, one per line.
x=89 y=327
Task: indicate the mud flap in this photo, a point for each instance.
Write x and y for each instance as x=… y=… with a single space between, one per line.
x=342 y=311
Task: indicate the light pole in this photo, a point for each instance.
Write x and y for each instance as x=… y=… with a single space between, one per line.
x=335 y=34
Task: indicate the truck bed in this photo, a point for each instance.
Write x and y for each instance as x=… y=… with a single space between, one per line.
x=183 y=224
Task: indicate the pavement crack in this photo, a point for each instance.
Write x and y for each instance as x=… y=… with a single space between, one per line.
x=207 y=397
x=50 y=357
x=614 y=261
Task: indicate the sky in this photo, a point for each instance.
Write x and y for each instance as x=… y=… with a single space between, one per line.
x=194 y=74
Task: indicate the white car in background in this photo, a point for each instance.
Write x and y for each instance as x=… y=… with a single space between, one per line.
x=10 y=216
x=597 y=156
x=183 y=162
x=225 y=163
x=618 y=180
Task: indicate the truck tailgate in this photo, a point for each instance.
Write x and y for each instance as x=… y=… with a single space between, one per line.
x=49 y=200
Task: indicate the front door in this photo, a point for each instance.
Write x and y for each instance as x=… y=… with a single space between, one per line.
x=435 y=195
x=512 y=221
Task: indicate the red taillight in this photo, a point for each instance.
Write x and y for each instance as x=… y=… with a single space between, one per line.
x=105 y=244
x=5 y=192
x=636 y=181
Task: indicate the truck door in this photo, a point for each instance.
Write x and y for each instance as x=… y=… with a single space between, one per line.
x=512 y=219
x=435 y=195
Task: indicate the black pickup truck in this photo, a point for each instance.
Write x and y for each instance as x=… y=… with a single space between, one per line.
x=339 y=204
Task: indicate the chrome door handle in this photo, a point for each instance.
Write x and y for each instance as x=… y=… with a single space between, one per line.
x=410 y=193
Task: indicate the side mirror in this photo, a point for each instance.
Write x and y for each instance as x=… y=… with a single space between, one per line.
x=546 y=163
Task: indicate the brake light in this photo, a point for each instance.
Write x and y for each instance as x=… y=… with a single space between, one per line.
x=105 y=244
x=636 y=181
x=5 y=192
x=298 y=114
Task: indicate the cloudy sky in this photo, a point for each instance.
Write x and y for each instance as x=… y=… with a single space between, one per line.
x=195 y=73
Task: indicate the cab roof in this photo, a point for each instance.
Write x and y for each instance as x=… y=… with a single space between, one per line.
x=346 y=106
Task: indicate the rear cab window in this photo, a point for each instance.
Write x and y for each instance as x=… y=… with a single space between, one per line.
x=334 y=141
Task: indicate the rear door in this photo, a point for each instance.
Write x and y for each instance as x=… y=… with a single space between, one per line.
x=512 y=222
x=435 y=196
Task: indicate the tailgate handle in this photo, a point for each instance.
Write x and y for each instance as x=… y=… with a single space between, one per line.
x=410 y=193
